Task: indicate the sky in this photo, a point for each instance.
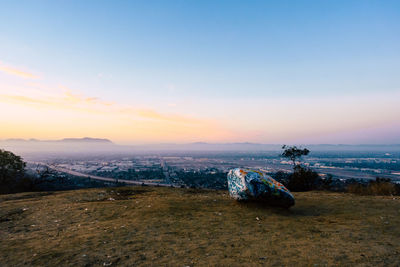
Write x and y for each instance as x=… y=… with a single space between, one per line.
x=139 y=72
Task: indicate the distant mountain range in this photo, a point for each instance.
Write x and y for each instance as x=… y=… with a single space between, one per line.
x=86 y=140
x=246 y=146
x=62 y=146
x=65 y=140
x=99 y=145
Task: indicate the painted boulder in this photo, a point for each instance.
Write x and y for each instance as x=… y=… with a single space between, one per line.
x=245 y=184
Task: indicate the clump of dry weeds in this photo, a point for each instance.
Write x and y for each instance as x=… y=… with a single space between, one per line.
x=379 y=187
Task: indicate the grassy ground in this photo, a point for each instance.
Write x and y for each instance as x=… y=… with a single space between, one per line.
x=183 y=227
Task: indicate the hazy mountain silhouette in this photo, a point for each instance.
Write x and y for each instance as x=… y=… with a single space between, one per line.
x=65 y=140
x=86 y=140
x=102 y=146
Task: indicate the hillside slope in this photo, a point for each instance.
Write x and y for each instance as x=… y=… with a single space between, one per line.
x=181 y=227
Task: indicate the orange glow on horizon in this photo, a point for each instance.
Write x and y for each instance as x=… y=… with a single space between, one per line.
x=43 y=111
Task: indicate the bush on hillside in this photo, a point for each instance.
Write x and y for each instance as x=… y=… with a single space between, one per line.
x=327 y=182
x=303 y=179
x=12 y=170
x=379 y=187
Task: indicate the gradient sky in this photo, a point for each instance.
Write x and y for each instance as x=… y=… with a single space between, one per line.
x=185 y=71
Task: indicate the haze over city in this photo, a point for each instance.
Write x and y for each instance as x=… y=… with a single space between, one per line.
x=268 y=72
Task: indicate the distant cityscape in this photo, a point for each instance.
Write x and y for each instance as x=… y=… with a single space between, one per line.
x=209 y=169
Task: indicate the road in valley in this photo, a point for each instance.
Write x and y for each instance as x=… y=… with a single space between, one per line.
x=107 y=179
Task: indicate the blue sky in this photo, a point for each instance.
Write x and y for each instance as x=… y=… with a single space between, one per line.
x=207 y=59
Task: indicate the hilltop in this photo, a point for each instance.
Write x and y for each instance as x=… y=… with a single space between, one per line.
x=180 y=227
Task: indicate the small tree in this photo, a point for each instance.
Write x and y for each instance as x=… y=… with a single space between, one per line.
x=12 y=167
x=302 y=178
x=293 y=153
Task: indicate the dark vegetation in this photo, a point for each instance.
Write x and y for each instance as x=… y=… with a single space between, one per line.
x=14 y=177
x=205 y=179
x=381 y=186
x=12 y=170
x=302 y=178
x=294 y=153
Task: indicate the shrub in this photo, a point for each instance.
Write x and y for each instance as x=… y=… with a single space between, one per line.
x=385 y=189
x=303 y=179
x=326 y=183
x=12 y=169
x=379 y=187
x=357 y=188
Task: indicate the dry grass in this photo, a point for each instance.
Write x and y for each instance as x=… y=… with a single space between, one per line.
x=141 y=226
x=374 y=189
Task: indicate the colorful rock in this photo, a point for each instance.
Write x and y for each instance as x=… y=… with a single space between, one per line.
x=245 y=184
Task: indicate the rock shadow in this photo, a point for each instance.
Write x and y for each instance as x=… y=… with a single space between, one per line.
x=298 y=210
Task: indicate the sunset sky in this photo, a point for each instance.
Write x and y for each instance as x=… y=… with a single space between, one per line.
x=142 y=72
